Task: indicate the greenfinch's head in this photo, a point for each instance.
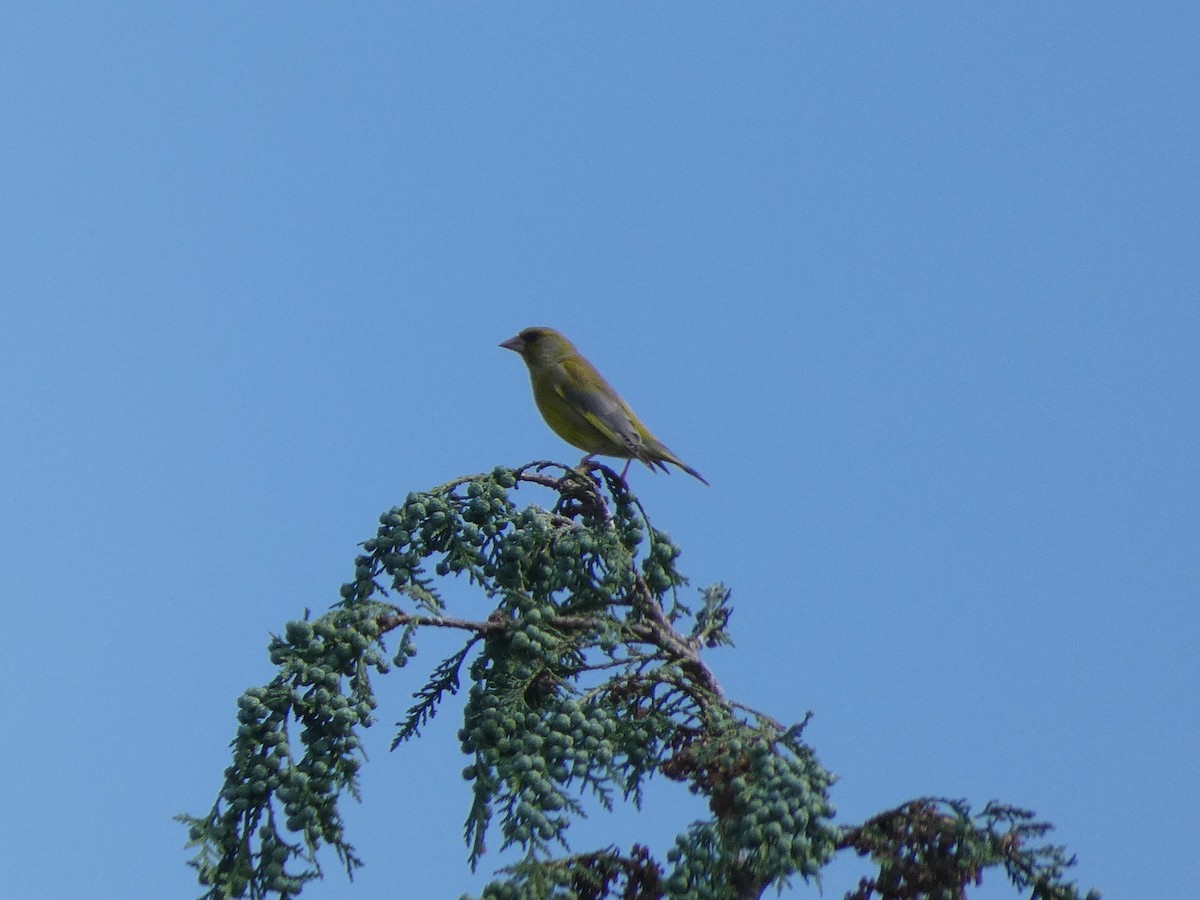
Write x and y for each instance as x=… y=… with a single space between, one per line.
x=541 y=346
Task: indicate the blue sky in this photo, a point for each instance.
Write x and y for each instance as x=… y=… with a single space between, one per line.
x=915 y=286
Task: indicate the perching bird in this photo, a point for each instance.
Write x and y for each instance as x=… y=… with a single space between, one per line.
x=582 y=408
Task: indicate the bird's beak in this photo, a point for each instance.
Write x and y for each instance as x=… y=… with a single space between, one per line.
x=513 y=343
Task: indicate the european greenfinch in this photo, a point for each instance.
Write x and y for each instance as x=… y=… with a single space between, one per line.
x=582 y=408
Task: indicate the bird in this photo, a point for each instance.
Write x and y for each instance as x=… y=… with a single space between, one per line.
x=582 y=408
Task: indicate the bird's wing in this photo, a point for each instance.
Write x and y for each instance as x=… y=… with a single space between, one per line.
x=601 y=407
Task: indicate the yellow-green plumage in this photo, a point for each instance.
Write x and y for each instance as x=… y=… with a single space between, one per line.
x=582 y=408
